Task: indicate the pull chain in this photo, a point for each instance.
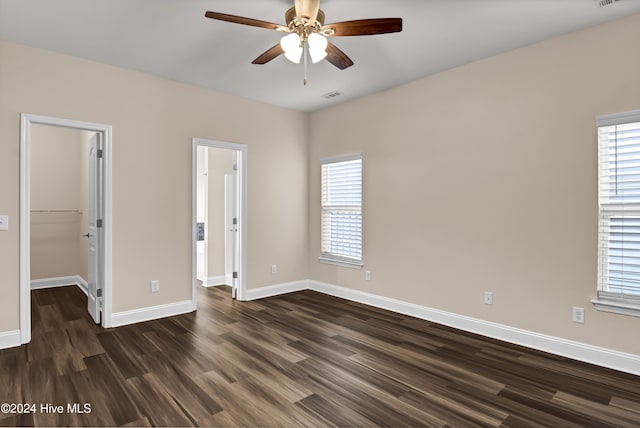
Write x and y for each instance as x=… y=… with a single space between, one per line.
x=305 y=52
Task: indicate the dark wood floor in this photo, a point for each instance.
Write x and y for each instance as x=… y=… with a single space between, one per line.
x=303 y=359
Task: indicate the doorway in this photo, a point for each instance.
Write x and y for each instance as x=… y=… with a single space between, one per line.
x=219 y=216
x=93 y=215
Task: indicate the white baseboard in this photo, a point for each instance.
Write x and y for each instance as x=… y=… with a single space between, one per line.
x=629 y=363
x=621 y=361
x=10 y=339
x=37 y=284
x=215 y=281
x=274 y=290
x=151 y=313
x=228 y=278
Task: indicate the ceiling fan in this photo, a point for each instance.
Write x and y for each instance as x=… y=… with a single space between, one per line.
x=308 y=33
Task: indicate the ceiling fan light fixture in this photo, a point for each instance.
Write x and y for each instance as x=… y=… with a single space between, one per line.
x=307 y=32
x=292 y=47
x=317 y=47
x=294 y=56
x=317 y=56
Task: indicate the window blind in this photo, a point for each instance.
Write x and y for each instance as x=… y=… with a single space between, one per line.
x=342 y=209
x=619 y=201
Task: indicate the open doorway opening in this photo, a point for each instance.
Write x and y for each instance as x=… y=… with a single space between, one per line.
x=215 y=211
x=65 y=207
x=219 y=216
x=59 y=206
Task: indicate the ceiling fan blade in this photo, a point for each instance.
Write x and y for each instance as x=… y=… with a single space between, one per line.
x=363 y=27
x=246 y=21
x=338 y=58
x=269 y=54
x=308 y=9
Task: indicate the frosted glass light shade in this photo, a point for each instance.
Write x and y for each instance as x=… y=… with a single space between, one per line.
x=294 y=56
x=317 y=47
x=291 y=46
x=317 y=56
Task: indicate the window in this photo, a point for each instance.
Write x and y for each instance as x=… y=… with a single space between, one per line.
x=342 y=211
x=619 y=222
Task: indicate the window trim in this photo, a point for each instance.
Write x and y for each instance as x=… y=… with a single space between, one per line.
x=337 y=260
x=615 y=305
x=606 y=301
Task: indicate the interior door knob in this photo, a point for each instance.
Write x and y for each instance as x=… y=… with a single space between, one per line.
x=87 y=235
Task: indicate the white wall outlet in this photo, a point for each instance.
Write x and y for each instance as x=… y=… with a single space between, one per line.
x=488 y=298
x=577 y=315
x=155 y=286
x=274 y=269
x=367 y=275
x=4 y=222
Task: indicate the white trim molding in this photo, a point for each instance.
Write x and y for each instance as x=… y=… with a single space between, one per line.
x=341 y=158
x=105 y=244
x=616 y=307
x=10 y=339
x=618 y=118
x=629 y=363
x=215 y=281
x=328 y=260
x=275 y=290
x=133 y=316
x=241 y=150
x=62 y=281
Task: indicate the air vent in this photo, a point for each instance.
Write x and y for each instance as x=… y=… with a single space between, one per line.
x=332 y=95
x=603 y=3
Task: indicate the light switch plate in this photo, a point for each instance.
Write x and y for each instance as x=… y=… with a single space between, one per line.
x=4 y=222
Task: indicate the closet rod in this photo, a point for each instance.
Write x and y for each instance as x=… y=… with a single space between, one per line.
x=57 y=211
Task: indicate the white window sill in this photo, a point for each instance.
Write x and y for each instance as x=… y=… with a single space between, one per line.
x=616 y=306
x=339 y=262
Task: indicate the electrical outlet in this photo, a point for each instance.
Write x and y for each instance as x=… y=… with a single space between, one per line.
x=488 y=298
x=274 y=269
x=577 y=314
x=155 y=286
x=4 y=222
x=367 y=275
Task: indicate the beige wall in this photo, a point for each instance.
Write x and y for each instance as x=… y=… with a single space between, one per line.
x=484 y=178
x=479 y=178
x=220 y=163
x=58 y=182
x=153 y=122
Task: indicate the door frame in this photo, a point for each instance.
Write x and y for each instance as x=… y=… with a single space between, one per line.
x=104 y=247
x=242 y=215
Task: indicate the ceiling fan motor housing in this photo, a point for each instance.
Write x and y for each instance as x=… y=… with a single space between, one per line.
x=303 y=28
x=290 y=16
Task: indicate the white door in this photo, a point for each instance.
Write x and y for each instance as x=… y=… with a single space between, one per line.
x=94 y=290
x=202 y=202
x=235 y=243
x=229 y=229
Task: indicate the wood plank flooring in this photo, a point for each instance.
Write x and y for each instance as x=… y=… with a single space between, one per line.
x=303 y=359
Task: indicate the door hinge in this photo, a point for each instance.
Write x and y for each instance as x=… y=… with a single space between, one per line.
x=100 y=153
x=99 y=292
x=235 y=220
x=235 y=275
x=99 y=223
x=235 y=166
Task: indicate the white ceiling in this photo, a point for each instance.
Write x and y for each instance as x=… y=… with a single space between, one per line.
x=173 y=39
